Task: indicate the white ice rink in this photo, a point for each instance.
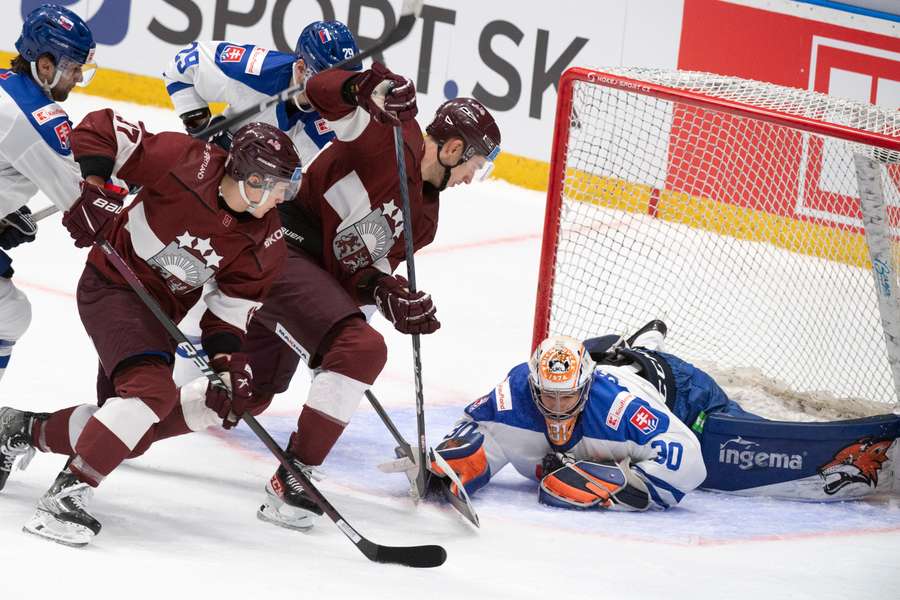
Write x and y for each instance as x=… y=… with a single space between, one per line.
x=180 y=522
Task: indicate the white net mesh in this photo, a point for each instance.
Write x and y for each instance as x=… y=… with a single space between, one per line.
x=743 y=235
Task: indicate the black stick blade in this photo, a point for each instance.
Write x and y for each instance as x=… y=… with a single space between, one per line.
x=420 y=557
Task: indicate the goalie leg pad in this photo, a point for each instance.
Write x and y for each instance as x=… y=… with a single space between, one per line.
x=466 y=456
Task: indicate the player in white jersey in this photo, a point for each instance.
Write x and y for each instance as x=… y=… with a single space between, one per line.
x=593 y=435
x=56 y=51
x=242 y=75
x=626 y=427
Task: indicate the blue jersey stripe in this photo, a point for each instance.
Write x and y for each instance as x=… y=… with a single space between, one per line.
x=676 y=493
x=4 y=360
x=177 y=86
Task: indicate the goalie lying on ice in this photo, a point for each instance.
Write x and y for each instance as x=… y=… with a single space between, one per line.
x=592 y=435
x=605 y=425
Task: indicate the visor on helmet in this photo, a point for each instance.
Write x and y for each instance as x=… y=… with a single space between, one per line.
x=487 y=167
x=69 y=68
x=284 y=188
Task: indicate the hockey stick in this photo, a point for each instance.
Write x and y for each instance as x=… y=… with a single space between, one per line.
x=421 y=482
x=402 y=444
x=408 y=14
x=410 y=556
x=43 y=213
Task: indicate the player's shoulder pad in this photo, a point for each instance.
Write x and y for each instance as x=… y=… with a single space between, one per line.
x=47 y=117
x=266 y=71
x=509 y=403
x=614 y=412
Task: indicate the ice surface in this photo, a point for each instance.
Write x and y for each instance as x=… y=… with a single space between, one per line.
x=180 y=521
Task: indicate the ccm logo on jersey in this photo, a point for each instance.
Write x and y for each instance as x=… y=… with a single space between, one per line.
x=231 y=54
x=255 y=62
x=644 y=420
x=63 y=131
x=48 y=113
x=322 y=126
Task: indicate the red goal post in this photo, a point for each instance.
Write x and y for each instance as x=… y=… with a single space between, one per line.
x=743 y=213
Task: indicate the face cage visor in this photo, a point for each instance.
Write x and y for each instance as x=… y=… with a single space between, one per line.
x=486 y=167
x=284 y=188
x=560 y=405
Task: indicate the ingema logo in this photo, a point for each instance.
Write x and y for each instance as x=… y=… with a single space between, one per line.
x=743 y=454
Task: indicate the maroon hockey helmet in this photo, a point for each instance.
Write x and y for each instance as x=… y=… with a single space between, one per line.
x=468 y=119
x=266 y=151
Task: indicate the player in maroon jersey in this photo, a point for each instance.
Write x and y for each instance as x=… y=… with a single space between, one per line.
x=345 y=239
x=203 y=216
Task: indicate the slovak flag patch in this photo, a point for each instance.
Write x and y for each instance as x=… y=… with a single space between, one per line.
x=644 y=420
x=324 y=36
x=66 y=23
x=231 y=54
x=63 y=131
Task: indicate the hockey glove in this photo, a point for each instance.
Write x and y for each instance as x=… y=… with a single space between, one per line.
x=465 y=455
x=234 y=401
x=584 y=484
x=388 y=97
x=17 y=228
x=93 y=212
x=410 y=313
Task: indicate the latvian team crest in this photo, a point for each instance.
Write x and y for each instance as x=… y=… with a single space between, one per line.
x=369 y=239
x=186 y=263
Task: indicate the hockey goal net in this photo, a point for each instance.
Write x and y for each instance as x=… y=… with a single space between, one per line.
x=744 y=214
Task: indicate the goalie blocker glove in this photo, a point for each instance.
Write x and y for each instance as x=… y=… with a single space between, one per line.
x=93 y=212
x=411 y=313
x=582 y=484
x=17 y=228
x=465 y=454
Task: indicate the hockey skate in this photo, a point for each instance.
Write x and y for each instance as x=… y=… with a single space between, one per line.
x=287 y=505
x=62 y=514
x=15 y=440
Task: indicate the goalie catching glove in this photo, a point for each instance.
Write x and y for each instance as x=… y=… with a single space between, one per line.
x=582 y=484
x=236 y=398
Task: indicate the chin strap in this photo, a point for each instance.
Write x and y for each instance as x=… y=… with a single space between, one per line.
x=302 y=107
x=447 y=168
x=252 y=206
x=47 y=87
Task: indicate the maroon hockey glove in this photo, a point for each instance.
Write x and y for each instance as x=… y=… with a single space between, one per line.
x=238 y=377
x=410 y=313
x=388 y=97
x=92 y=213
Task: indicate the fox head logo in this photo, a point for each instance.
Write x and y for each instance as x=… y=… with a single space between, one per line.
x=859 y=462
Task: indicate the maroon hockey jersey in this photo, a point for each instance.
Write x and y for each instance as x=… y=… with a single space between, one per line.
x=177 y=235
x=352 y=187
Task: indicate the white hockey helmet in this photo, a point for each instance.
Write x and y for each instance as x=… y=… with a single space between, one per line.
x=560 y=376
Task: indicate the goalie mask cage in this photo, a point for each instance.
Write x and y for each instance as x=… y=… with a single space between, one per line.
x=744 y=214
